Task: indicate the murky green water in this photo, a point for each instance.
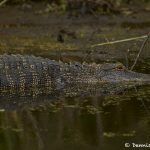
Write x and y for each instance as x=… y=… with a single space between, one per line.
x=79 y=123
x=90 y=123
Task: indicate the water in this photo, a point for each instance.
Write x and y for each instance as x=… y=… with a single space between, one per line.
x=90 y=122
x=79 y=123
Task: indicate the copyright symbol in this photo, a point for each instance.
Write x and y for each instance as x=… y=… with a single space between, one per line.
x=127 y=145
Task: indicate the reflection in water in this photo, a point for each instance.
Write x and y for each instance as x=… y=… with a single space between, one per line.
x=92 y=122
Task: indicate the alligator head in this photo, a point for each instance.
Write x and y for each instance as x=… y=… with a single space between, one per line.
x=119 y=73
x=100 y=78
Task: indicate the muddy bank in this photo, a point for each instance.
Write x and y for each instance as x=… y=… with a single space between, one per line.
x=55 y=35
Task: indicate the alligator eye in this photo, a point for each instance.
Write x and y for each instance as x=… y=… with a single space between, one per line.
x=120 y=67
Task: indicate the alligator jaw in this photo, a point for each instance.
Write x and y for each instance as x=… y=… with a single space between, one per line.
x=128 y=77
x=139 y=77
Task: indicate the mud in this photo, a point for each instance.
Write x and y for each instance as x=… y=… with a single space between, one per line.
x=30 y=30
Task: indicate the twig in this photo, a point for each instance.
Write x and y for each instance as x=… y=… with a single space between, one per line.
x=142 y=47
x=3 y=2
x=127 y=59
x=119 y=41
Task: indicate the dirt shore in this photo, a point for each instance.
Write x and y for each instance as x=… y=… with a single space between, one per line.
x=31 y=30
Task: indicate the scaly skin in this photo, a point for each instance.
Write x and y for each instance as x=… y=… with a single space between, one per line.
x=30 y=75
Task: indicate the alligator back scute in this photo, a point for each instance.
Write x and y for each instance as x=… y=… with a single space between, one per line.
x=29 y=75
x=26 y=73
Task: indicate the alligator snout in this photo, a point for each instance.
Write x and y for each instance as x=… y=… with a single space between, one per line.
x=126 y=76
x=139 y=77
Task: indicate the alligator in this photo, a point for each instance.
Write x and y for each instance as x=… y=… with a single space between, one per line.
x=25 y=75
